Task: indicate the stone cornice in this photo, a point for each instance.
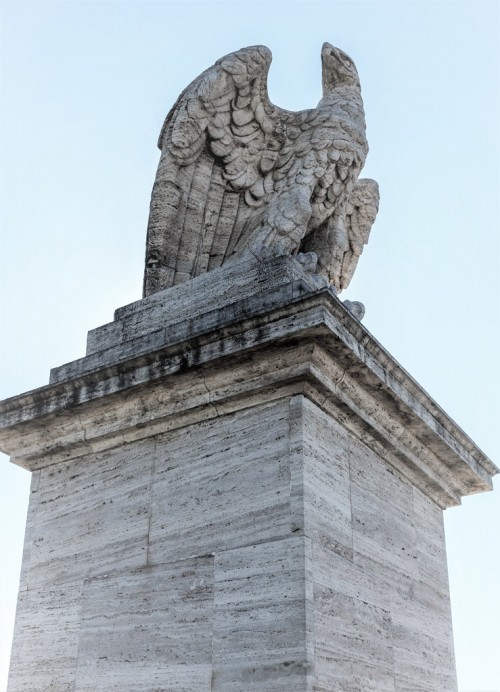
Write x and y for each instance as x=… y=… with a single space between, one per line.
x=299 y=340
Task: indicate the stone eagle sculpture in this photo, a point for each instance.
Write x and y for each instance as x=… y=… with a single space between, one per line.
x=239 y=176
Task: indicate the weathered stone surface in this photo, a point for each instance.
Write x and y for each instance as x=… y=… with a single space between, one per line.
x=383 y=534
x=148 y=628
x=46 y=635
x=28 y=533
x=346 y=369
x=372 y=604
x=242 y=491
x=240 y=177
x=252 y=503
x=353 y=644
x=326 y=480
x=92 y=515
x=262 y=632
x=199 y=306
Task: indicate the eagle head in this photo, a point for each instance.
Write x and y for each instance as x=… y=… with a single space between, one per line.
x=338 y=69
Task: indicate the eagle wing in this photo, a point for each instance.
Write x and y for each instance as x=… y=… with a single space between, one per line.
x=360 y=213
x=219 y=143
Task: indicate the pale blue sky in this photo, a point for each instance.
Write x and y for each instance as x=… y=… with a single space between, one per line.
x=85 y=88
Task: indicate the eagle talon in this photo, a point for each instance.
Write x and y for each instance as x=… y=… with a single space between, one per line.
x=309 y=260
x=356 y=308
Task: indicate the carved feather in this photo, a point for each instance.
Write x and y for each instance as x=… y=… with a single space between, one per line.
x=237 y=173
x=361 y=211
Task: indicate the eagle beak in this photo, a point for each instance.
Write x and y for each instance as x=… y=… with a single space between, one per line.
x=336 y=66
x=329 y=60
x=327 y=49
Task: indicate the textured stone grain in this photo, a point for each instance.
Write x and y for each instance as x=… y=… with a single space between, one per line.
x=353 y=643
x=29 y=531
x=384 y=539
x=221 y=484
x=148 y=629
x=370 y=602
x=231 y=290
x=327 y=487
x=92 y=515
x=45 y=645
x=260 y=626
x=256 y=505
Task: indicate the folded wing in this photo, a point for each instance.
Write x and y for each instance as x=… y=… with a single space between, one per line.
x=219 y=143
x=361 y=211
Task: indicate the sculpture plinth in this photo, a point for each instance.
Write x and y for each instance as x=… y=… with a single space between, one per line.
x=237 y=488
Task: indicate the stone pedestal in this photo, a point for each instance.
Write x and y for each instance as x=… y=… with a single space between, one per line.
x=236 y=489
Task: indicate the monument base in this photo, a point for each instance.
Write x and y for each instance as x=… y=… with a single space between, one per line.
x=236 y=489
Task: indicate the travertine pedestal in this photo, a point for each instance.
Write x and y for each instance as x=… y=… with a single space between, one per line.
x=237 y=489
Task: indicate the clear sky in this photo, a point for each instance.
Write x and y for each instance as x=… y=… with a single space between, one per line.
x=85 y=89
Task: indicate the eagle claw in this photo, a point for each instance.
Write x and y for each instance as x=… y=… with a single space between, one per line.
x=309 y=260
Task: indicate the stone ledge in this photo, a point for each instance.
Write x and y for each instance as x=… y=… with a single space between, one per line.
x=227 y=293
x=296 y=343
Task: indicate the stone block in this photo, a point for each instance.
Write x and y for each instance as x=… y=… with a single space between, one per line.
x=29 y=530
x=353 y=643
x=261 y=624
x=93 y=515
x=221 y=484
x=149 y=628
x=182 y=310
x=326 y=479
x=383 y=532
x=45 y=645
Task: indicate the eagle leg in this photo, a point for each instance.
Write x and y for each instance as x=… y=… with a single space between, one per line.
x=283 y=226
x=330 y=243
